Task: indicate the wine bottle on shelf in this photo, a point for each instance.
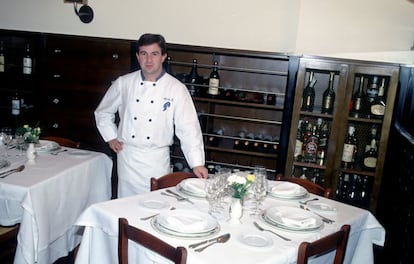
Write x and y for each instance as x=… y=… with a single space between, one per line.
x=323 y=145
x=214 y=139
x=299 y=142
x=257 y=145
x=267 y=145
x=27 y=61
x=248 y=143
x=271 y=99
x=350 y=149
x=15 y=104
x=275 y=144
x=227 y=94
x=214 y=82
x=377 y=108
x=311 y=147
x=238 y=142
x=2 y=58
x=358 y=100
x=373 y=135
x=364 y=191
x=372 y=89
x=193 y=80
x=370 y=157
x=308 y=98
x=328 y=98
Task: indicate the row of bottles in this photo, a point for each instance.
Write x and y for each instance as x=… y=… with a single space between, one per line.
x=357 y=156
x=312 y=174
x=368 y=100
x=354 y=189
x=210 y=87
x=309 y=94
x=27 y=60
x=311 y=141
x=247 y=141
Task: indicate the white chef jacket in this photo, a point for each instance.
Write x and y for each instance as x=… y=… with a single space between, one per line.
x=149 y=114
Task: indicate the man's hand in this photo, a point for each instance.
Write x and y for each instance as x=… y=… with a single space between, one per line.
x=201 y=172
x=115 y=145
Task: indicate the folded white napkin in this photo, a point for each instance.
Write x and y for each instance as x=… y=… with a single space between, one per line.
x=195 y=186
x=286 y=188
x=299 y=222
x=186 y=223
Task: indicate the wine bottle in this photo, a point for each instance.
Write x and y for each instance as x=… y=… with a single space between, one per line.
x=350 y=149
x=214 y=82
x=193 y=80
x=372 y=136
x=308 y=98
x=323 y=145
x=358 y=100
x=248 y=143
x=214 y=139
x=271 y=99
x=377 y=109
x=370 y=157
x=15 y=102
x=372 y=89
x=267 y=145
x=299 y=142
x=2 y=58
x=311 y=147
x=258 y=144
x=227 y=94
x=328 y=99
x=27 y=61
x=238 y=142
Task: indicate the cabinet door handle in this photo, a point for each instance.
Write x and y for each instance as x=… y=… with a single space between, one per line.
x=57 y=76
x=55 y=101
x=115 y=56
x=55 y=125
x=57 y=50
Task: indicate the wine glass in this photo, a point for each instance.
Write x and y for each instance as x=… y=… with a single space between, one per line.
x=6 y=138
x=212 y=188
x=260 y=188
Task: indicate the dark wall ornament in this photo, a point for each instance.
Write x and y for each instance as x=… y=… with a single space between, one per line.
x=85 y=13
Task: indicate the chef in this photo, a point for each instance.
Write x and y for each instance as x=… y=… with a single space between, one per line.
x=152 y=106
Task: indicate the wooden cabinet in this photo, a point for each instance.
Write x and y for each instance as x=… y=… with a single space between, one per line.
x=248 y=123
x=77 y=73
x=14 y=83
x=357 y=184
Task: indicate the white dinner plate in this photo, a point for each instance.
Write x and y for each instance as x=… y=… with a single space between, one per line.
x=287 y=190
x=322 y=207
x=193 y=187
x=155 y=204
x=256 y=240
x=46 y=146
x=292 y=218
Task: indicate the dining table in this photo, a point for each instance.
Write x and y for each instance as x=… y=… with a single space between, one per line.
x=48 y=195
x=173 y=219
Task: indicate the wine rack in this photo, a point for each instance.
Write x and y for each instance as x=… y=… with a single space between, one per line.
x=247 y=123
x=353 y=184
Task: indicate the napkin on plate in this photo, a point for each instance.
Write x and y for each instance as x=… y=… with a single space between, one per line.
x=299 y=222
x=186 y=223
x=195 y=186
x=286 y=188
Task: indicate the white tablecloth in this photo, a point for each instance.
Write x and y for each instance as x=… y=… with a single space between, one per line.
x=99 y=242
x=46 y=198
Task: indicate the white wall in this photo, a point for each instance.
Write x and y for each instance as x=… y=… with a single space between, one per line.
x=301 y=26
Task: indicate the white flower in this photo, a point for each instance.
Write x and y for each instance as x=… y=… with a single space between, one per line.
x=234 y=178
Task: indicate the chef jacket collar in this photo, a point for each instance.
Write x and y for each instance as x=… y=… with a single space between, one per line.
x=156 y=80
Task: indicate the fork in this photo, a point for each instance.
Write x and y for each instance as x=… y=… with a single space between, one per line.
x=262 y=229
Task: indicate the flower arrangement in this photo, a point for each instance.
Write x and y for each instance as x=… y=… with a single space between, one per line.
x=30 y=134
x=240 y=184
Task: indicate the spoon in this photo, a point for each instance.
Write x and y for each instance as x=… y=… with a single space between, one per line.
x=307 y=201
x=7 y=173
x=220 y=239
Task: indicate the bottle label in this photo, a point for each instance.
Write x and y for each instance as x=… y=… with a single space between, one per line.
x=1 y=63
x=378 y=110
x=348 y=152
x=213 y=88
x=357 y=104
x=15 y=107
x=370 y=162
x=298 y=148
x=27 y=66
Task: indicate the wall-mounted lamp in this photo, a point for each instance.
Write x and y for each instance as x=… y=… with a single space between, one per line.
x=85 y=12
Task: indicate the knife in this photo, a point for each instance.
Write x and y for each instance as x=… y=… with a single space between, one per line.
x=179 y=196
x=208 y=241
x=326 y=220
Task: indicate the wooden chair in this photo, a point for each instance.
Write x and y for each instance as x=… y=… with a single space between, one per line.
x=8 y=242
x=308 y=185
x=336 y=241
x=65 y=142
x=170 y=179
x=127 y=232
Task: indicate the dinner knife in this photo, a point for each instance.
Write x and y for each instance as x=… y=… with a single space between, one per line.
x=179 y=196
x=208 y=241
x=326 y=220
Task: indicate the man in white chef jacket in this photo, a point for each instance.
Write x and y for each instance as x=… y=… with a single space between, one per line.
x=151 y=105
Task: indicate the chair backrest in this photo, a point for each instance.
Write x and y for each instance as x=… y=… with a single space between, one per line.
x=336 y=241
x=127 y=232
x=308 y=185
x=66 y=142
x=8 y=241
x=170 y=179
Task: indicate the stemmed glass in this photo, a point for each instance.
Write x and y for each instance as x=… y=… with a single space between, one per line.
x=260 y=188
x=7 y=138
x=212 y=188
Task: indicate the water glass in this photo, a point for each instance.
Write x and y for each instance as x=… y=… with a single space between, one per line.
x=260 y=188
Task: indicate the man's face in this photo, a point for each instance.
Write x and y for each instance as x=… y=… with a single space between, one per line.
x=150 y=59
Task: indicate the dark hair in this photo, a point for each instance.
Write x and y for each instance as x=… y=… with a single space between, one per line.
x=148 y=39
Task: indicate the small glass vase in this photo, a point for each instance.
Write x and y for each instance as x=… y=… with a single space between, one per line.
x=31 y=154
x=235 y=211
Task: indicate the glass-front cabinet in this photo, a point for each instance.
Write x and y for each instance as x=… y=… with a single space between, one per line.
x=340 y=125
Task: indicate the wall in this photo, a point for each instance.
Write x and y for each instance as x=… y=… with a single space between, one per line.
x=301 y=26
